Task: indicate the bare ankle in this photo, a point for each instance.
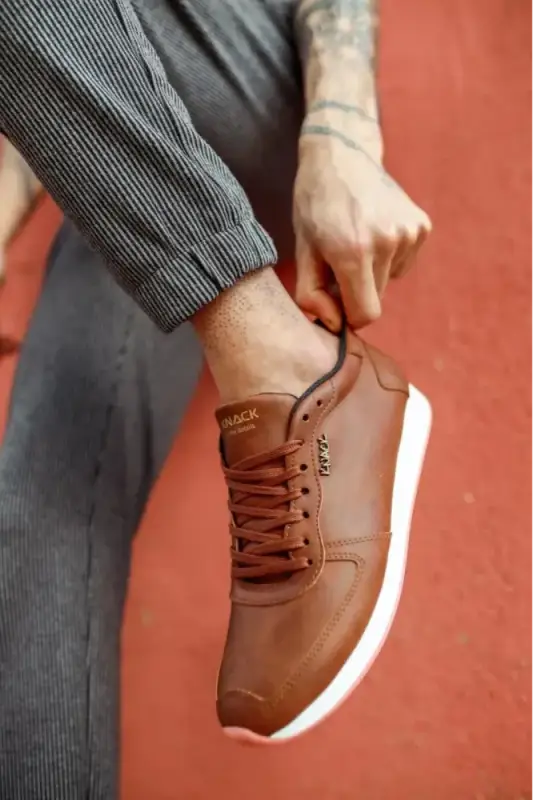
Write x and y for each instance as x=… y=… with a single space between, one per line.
x=256 y=340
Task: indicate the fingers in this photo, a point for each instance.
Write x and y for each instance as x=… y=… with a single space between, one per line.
x=384 y=250
x=363 y=277
x=361 y=271
x=359 y=293
x=313 y=280
x=408 y=249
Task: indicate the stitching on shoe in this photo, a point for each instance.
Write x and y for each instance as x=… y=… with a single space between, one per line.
x=359 y=539
x=324 y=635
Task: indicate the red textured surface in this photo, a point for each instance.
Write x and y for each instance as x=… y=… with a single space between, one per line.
x=445 y=712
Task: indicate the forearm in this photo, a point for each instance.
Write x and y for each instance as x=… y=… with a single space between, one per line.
x=337 y=41
x=86 y=101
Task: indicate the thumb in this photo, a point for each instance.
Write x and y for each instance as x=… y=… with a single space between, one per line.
x=313 y=278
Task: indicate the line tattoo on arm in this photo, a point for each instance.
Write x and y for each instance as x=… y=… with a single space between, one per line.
x=349 y=108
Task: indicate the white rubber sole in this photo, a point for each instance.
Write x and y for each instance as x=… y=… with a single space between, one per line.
x=415 y=434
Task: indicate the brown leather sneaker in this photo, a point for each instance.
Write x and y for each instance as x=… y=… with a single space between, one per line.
x=321 y=494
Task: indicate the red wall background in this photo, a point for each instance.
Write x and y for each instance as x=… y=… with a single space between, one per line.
x=445 y=712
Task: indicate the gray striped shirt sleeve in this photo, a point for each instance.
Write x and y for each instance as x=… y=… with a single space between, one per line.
x=84 y=98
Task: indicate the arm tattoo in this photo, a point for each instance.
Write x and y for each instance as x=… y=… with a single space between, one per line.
x=337 y=44
x=320 y=105
x=347 y=28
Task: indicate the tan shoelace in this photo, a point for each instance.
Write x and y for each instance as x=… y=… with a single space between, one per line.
x=262 y=545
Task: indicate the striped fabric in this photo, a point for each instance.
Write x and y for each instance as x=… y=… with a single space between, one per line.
x=85 y=99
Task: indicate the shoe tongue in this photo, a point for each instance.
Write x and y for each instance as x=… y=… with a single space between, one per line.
x=254 y=426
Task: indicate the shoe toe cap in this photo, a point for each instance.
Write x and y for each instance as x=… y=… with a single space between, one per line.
x=241 y=708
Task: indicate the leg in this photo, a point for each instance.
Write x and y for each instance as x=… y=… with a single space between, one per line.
x=92 y=415
x=97 y=398
x=236 y=68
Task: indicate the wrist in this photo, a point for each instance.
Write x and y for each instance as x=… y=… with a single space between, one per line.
x=345 y=100
x=355 y=128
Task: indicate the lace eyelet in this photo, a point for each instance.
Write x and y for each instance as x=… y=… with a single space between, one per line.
x=306 y=514
x=303 y=467
x=319 y=402
x=309 y=562
x=305 y=417
x=304 y=490
x=306 y=542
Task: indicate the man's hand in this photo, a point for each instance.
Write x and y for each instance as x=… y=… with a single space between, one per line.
x=355 y=228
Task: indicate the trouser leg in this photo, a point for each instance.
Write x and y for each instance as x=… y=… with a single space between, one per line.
x=98 y=395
